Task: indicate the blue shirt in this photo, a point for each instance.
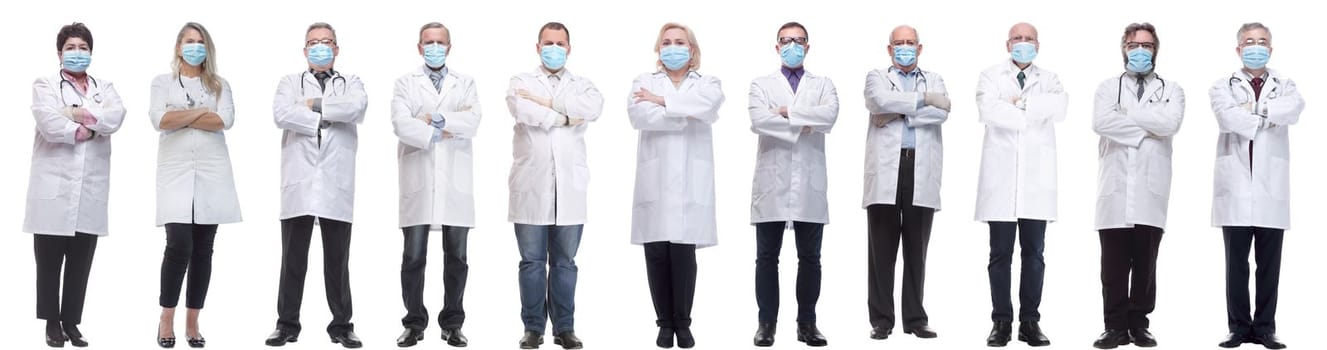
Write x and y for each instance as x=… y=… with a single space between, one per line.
x=794 y=76
x=909 y=81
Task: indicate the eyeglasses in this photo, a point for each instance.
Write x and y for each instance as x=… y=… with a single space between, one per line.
x=1134 y=45
x=800 y=40
x=328 y=42
x=903 y=42
x=1023 y=39
x=1252 y=41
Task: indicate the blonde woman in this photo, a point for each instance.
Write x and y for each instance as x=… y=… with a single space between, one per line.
x=673 y=210
x=192 y=108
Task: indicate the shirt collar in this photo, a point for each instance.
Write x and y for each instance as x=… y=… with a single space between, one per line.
x=561 y=73
x=915 y=72
x=793 y=72
x=429 y=71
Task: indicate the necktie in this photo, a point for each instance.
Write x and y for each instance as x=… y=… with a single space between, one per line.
x=1021 y=77
x=1257 y=88
x=436 y=77
x=322 y=80
x=1141 y=82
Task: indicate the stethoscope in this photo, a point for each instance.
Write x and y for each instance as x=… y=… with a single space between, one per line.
x=96 y=97
x=1156 y=96
x=335 y=76
x=1237 y=80
x=186 y=93
x=918 y=86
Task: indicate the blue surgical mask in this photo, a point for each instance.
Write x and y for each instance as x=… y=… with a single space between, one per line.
x=76 y=61
x=194 y=53
x=435 y=55
x=1256 y=56
x=792 y=55
x=675 y=57
x=553 y=56
x=1140 y=60
x=321 y=55
x=1023 y=52
x=905 y=55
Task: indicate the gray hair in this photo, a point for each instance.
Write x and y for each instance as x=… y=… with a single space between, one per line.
x=1251 y=26
x=321 y=25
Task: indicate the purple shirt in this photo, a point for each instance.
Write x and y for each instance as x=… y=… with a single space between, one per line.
x=794 y=76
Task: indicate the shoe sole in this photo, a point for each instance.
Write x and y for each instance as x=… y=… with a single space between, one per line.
x=558 y=342
x=926 y=336
x=803 y=340
x=1033 y=344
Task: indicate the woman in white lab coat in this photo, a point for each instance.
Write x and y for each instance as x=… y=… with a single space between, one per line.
x=192 y=108
x=70 y=181
x=673 y=210
x=1137 y=115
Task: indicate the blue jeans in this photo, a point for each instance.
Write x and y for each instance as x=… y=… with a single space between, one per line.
x=1031 y=235
x=548 y=294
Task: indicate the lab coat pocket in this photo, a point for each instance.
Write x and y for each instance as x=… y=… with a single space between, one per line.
x=1276 y=182
x=462 y=175
x=647 y=181
x=44 y=188
x=1046 y=173
x=580 y=177
x=819 y=181
x=701 y=180
x=1158 y=175
x=1228 y=174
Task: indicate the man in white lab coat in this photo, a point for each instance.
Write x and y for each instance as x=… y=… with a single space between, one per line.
x=435 y=114
x=1019 y=102
x=318 y=111
x=1137 y=115
x=1255 y=105
x=792 y=111
x=548 y=182
x=904 y=156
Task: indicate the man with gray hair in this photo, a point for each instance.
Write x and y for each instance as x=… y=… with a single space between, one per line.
x=318 y=111
x=1255 y=105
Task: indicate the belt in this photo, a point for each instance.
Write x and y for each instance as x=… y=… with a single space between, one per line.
x=909 y=153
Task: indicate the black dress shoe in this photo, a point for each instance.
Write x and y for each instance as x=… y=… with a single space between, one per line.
x=809 y=334
x=1030 y=332
x=665 y=339
x=1142 y=338
x=531 y=340
x=568 y=340
x=764 y=334
x=1111 y=338
x=922 y=331
x=1268 y=340
x=348 y=340
x=1000 y=332
x=410 y=337
x=1234 y=340
x=881 y=333
x=454 y=337
x=75 y=337
x=684 y=338
x=55 y=337
x=280 y=337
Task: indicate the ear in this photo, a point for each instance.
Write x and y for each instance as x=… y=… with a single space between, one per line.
x=568 y=49
x=538 y=49
x=420 y=47
x=778 y=48
x=806 y=48
x=1008 y=46
x=919 y=50
x=336 y=51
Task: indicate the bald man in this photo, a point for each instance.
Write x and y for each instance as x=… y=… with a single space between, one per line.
x=903 y=143
x=1019 y=103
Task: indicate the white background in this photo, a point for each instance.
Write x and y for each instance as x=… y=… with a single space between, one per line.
x=612 y=42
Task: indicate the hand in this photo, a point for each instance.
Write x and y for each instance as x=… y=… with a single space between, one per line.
x=83 y=134
x=425 y=117
x=937 y=100
x=71 y=113
x=783 y=112
x=1014 y=100
x=447 y=134
x=525 y=94
x=309 y=103
x=575 y=121
x=806 y=130
x=880 y=120
x=1249 y=106
x=646 y=95
x=85 y=117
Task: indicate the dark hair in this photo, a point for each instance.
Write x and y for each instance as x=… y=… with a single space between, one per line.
x=554 y=26
x=794 y=25
x=1139 y=27
x=75 y=30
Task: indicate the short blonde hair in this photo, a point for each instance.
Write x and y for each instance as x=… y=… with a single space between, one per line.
x=691 y=39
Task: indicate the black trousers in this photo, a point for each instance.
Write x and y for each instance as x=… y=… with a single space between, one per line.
x=1031 y=235
x=671 y=269
x=1128 y=275
x=296 y=233
x=1266 y=244
x=74 y=256
x=887 y=225
x=188 y=252
x=454 y=272
x=769 y=241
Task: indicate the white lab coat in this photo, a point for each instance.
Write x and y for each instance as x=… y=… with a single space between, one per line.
x=1256 y=194
x=195 y=183
x=1133 y=182
x=436 y=179
x=318 y=176
x=883 y=95
x=790 y=180
x=549 y=173
x=1018 y=161
x=674 y=198
x=70 y=180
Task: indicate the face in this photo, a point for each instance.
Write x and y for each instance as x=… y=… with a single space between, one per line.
x=553 y=37
x=191 y=36
x=1252 y=37
x=792 y=35
x=73 y=44
x=675 y=36
x=435 y=36
x=1022 y=33
x=320 y=36
x=1143 y=39
x=904 y=36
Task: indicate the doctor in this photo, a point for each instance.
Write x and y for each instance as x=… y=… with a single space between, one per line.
x=1251 y=200
x=548 y=181
x=1020 y=103
x=192 y=108
x=319 y=110
x=1137 y=114
x=903 y=143
x=70 y=181
x=673 y=211
x=435 y=113
x=791 y=110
